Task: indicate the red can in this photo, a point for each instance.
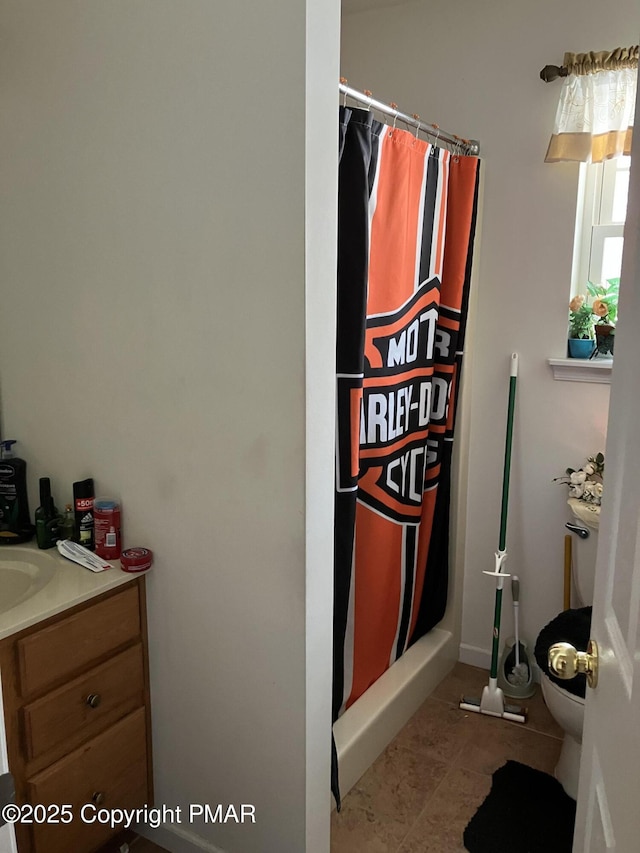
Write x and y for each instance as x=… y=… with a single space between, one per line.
x=106 y=519
x=136 y=559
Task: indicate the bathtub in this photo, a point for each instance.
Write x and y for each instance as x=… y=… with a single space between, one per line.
x=365 y=729
x=372 y=722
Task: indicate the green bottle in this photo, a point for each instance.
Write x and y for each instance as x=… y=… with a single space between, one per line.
x=67 y=528
x=47 y=517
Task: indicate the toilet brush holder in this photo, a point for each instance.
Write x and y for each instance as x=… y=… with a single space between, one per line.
x=515 y=672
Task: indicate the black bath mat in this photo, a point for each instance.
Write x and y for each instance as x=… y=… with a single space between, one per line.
x=526 y=811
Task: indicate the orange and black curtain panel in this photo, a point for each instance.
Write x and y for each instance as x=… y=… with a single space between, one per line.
x=406 y=222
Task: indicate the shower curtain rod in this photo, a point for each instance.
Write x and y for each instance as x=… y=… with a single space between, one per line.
x=467 y=146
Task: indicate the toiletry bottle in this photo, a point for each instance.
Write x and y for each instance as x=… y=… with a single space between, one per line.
x=106 y=517
x=83 y=505
x=47 y=517
x=67 y=526
x=15 y=524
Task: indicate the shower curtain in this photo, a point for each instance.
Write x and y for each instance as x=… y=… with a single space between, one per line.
x=406 y=223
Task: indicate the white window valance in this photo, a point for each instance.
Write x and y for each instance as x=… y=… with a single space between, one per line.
x=594 y=119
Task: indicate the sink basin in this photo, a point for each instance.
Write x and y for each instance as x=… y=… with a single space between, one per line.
x=23 y=573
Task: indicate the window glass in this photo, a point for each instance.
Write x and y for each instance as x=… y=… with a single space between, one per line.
x=601 y=212
x=620 y=195
x=611 y=257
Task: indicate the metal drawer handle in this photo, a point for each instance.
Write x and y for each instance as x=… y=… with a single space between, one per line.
x=93 y=700
x=98 y=798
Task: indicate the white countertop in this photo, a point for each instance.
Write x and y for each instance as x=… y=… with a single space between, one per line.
x=71 y=584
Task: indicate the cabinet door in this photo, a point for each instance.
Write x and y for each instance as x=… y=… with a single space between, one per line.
x=79 y=710
x=7 y=835
x=70 y=645
x=108 y=772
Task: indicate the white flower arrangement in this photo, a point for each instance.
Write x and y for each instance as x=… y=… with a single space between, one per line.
x=585 y=484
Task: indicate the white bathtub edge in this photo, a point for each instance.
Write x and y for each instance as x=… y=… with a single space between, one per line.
x=365 y=729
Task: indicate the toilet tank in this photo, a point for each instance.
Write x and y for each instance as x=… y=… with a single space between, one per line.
x=583 y=551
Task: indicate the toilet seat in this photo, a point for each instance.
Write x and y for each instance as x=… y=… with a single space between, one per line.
x=570 y=626
x=562 y=692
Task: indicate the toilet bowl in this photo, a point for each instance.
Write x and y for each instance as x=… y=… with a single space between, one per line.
x=565 y=699
x=568 y=712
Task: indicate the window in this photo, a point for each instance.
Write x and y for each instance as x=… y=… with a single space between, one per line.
x=602 y=208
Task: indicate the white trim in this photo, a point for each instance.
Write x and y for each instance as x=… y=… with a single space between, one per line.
x=177 y=839
x=582 y=370
x=475 y=656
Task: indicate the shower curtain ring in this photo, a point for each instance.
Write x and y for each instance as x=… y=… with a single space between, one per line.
x=417 y=118
x=344 y=82
x=394 y=106
x=369 y=95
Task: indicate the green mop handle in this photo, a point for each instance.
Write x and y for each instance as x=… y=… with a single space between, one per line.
x=507 y=451
x=495 y=650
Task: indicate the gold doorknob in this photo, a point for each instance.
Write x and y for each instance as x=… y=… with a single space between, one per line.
x=566 y=661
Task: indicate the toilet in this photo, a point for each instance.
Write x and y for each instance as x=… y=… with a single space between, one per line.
x=565 y=699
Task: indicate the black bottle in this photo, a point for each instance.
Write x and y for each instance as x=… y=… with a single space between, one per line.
x=15 y=525
x=47 y=517
x=83 y=505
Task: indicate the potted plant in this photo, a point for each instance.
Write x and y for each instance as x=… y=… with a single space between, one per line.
x=581 y=343
x=605 y=308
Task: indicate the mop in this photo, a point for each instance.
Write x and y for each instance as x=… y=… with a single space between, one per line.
x=492 y=701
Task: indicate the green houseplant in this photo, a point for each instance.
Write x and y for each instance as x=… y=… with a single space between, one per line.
x=581 y=334
x=605 y=301
x=605 y=308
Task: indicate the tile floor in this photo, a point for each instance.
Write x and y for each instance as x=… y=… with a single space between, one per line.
x=422 y=791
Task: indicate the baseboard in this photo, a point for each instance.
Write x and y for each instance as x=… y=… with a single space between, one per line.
x=481 y=658
x=475 y=656
x=177 y=840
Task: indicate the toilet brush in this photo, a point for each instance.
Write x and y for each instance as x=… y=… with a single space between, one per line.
x=517 y=668
x=492 y=700
x=516 y=673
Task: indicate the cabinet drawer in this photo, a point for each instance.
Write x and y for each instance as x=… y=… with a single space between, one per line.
x=61 y=649
x=85 y=706
x=110 y=770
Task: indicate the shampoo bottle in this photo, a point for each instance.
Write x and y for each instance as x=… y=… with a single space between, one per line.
x=15 y=524
x=47 y=519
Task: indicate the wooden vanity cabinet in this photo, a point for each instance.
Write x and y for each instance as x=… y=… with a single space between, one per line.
x=77 y=715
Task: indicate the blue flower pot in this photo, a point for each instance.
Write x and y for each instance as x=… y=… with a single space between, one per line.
x=580 y=347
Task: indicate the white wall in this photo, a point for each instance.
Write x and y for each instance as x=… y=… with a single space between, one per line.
x=160 y=209
x=473 y=68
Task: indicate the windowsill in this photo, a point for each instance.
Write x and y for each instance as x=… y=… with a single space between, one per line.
x=582 y=369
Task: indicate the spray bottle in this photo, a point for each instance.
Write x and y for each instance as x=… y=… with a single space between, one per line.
x=83 y=504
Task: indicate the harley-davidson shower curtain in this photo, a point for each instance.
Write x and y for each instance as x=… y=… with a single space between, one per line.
x=406 y=222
